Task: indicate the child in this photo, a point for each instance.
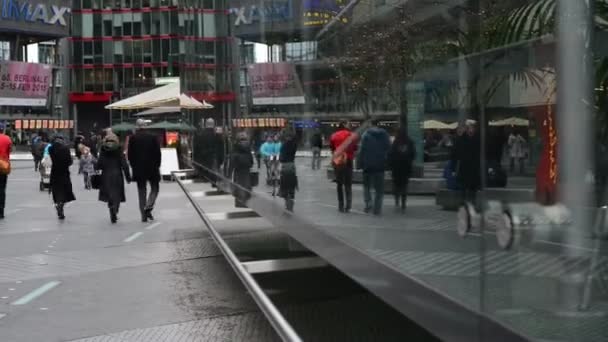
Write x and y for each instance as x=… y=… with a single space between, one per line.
x=87 y=166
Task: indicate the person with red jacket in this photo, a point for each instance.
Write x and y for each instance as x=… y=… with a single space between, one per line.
x=5 y=155
x=343 y=144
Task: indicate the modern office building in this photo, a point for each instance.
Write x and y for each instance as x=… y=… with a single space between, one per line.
x=121 y=48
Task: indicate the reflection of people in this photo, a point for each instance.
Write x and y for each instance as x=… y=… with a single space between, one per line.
x=343 y=144
x=241 y=161
x=316 y=143
x=401 y=157
x=208 y=151
x=145 y=160
x=289 y=179
x=517 y=151
x=467 y=155
x=375 y=146
x=5 y=155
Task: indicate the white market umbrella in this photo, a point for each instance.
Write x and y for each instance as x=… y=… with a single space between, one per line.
x=435 y=124
x=512 y=121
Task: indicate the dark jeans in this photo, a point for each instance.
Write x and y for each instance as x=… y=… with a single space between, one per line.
x=344 y=181
x=373 y=180
x=145 y=201
x=3 y=179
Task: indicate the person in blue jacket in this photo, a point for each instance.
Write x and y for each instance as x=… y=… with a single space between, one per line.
x=270 y=150
x=375 y=147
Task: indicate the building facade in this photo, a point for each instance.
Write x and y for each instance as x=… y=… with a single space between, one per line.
x=121 y=48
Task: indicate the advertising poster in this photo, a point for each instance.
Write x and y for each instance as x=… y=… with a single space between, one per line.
x=24 y=84
x=275 y=84
x=32 y=124
x=26 y=124
x=17 y=124
x=45 y=124
x=38 y=124
x=171 y=138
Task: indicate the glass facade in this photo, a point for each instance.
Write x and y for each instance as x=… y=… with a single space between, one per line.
x=121 y=47
x=504 y=103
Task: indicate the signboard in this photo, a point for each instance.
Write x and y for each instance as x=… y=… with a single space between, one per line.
x=275 y=84
x=169 y=161
x=259 y=123
x=263 y=12
x=24 y=84
x=171 y=138
x=321 y=12
x=49 y=18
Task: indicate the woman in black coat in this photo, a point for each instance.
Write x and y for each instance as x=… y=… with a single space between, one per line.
x=401 y=158
x=289 y=178
x=61 y=184
x=113 y=165
x=241 y=162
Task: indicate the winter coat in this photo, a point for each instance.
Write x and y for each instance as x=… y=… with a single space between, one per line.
x=467 y=157
x=287 y=153
x=144 y=157
x=113 y=165
x=341 y=137
x=61 y=184
x=375 y=146
x=208 y=148
x=401 y=158
x=87 y=164
x=316 y=140
x=270 y=149
x=241 y=162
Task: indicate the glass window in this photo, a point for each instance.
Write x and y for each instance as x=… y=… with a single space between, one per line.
x=87 y=25
x=137 y=24
x=77 y=25
x=209 y=25
x=128 y=51
x=108 y=52
x=117 y=25
x=118 y=52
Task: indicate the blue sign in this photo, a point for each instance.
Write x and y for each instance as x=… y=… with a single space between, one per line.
x=25 y=11
x=266 y=12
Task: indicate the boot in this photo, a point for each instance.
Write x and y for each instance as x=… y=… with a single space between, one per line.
x=1 y=213
x=60 y=214
x=403 y=204
x=113 y=214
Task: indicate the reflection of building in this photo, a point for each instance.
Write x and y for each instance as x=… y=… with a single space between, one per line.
x=119 y=51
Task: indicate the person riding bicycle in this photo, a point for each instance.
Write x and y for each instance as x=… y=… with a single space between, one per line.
x=270 y=151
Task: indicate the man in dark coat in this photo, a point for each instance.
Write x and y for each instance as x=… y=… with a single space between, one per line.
x=144 y=157
x=468 y=153
x=375 y=146
x=241 y=161
x=208 y=151
x=61 y=184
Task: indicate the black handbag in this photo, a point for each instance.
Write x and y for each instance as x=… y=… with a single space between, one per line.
x=96 y=181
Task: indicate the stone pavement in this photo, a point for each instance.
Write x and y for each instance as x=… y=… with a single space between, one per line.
x=87 y=280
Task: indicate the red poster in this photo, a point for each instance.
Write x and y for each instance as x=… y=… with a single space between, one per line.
x=17 y=124
x=52 y=124
x=45 y=124
x=32 y=124
x=171 y=138
x=275 y=83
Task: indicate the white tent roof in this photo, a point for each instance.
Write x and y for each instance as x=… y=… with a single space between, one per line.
x=512 y=121
x=435 y=124
x=165 y=96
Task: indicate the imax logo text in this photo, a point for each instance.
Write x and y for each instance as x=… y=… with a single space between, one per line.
x=50 y=15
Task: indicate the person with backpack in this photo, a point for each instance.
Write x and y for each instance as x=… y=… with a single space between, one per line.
x=401 y=158
x=6 y=146
x=35 y=149
x=343 y=145
x=375 y=146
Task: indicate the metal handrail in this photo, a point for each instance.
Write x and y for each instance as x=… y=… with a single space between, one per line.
x=278 y=322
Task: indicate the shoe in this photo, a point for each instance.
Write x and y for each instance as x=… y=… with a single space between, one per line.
x=342 y=210
x=144 y=218
x=60 y=213
x=1 y=213
x=113 y=217
x=148 y=213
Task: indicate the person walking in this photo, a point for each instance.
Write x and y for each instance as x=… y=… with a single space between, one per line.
x=375 y=146
x=114 y=171
x=289 y=178
x=6 y=145
x=401 y=158
x=343 y=145
x=61 y=184
x=468 y=157
x=517 y=151
x=270 y=151
x=208 y=151
x=35 y=149
x=316 y=144
x=241 y=162
x=87 y=166
x=145 y=158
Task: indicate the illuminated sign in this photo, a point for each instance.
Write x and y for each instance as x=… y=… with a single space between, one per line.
x=267 y=12
x=50 y=18
x=321 y=12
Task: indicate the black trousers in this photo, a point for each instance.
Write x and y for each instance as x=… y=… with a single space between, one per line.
x=3 y=179
x=344 y=181
x=145 y=201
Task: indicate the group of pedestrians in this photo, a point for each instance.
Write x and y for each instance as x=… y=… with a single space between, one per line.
x=104 y=166
x=377 y=154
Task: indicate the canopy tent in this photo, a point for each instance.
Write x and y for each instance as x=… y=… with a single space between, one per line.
x=123 y=127
x=159 y=110
x=435 y=124
x=172 y=126
x=512 y=121
x=165 y=96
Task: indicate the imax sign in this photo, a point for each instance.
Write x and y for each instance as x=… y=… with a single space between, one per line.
x=267 y=12
x=23 y=11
